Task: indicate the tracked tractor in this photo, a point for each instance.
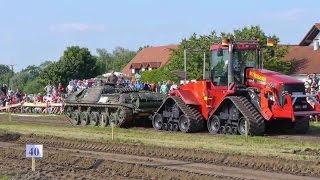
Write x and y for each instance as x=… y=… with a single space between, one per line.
x=240 y=97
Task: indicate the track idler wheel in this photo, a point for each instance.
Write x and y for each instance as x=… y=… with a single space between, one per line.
x=94 y=118
x=214 y=124
x=75 y=118
x=103 y=120
x=84 y=118
x=157 y=121
x=184 y=124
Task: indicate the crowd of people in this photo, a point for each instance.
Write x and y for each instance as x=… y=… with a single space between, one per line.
x=56 y=94
x=312 y=84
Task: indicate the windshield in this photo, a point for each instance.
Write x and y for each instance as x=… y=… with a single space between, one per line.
x=241 y=59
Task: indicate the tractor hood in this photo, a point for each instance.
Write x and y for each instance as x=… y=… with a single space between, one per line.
x=266 y=76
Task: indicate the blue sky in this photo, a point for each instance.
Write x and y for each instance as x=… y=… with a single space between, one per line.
x=37 y=30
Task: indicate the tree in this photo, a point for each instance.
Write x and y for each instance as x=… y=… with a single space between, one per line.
x=196 y=45
x=113 y=61
x=104 y=60
x=5 y=74
x=76 y=63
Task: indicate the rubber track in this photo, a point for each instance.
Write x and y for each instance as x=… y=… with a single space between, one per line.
x=256 y=121
x=193 y=114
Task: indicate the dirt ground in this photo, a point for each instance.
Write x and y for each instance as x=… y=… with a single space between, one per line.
x=81 y=159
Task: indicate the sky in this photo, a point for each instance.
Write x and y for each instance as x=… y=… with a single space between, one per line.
x=34 y=31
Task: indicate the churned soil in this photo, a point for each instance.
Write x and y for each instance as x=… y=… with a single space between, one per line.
x=73 y=159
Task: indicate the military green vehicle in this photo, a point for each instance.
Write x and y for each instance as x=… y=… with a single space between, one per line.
x=103 y=105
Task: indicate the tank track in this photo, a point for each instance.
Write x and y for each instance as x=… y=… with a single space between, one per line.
x=128 y=117
x=190 y=112
x=255 y=119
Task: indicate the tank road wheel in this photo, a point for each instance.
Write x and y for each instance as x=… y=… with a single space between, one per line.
x=175 y=127
x=75 y=117
x=157 y=121
x=242 y=126
x=68 y=112
x=103 y=120
x=184 y=124
x=94 y=118
x=84 y=118
x=301 y=125
x=213 y=124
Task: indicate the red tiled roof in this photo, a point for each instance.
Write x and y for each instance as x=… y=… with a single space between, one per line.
x=153 y=57
x=313 y=32
x=306 y=59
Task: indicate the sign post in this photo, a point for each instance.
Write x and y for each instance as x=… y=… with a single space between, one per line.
x=112 y=126
x=34 y=151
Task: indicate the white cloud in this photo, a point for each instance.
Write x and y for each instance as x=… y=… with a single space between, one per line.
x=287 y=15
x=77 y=27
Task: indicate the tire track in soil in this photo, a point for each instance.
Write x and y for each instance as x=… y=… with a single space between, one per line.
x=66 y=164
x=116 y=152
x=303 y=168
x=92 y=160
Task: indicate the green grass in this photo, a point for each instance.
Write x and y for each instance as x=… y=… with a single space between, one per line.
x=261 y=146
x=4 y=177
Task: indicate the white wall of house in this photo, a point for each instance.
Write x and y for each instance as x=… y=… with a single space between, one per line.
x=317 y=38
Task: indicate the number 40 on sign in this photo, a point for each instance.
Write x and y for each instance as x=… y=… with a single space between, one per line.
x=34 y=151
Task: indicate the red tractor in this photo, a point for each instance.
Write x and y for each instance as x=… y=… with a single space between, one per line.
x=240 y=97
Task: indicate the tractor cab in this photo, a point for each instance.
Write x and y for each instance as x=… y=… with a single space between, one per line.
x=231 y=59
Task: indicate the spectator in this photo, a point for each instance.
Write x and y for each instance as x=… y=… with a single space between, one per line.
x=164 y=88
x=112 y=78
x=173 y=86
x=138 y=85
x=60 y=88
x=146 y=87
x=48 y=89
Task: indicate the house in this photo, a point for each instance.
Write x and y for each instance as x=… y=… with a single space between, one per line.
x=149 y=58
x=306 y=55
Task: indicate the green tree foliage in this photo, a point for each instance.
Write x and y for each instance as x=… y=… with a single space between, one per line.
x=197 y=45
x=5 y=74
x=76 y=63
x=116 y=60
x=30 y=74
x=272 y=56
x=158 y=75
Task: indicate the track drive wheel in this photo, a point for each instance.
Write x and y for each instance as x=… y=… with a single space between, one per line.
x=157 y=121
x=301 y=126
x=84 y=118
x=213 y=124
x=122 y=117
x=184 y=124
x=94 y=118
x=75 y=117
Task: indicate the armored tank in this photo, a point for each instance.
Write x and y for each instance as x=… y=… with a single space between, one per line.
x=103 y=105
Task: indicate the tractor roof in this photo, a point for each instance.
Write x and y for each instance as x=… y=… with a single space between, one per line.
x=240 y=45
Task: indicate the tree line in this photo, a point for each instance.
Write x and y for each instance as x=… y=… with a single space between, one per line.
x=78 y=62
x=197 y=45
x=75 y=63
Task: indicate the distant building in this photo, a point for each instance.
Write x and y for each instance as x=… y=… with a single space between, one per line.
x=306 y=55
x=149 y=58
